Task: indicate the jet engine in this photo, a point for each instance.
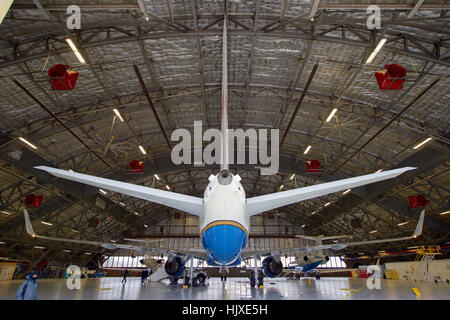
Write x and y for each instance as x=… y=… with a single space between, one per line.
x=325 y=259
x=175 y=267
x=272 y=267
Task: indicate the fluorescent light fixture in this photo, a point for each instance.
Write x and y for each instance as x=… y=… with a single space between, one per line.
x=292 y=176
x=145 y=225
x=281 y=187
x=7 y=213
x=47 y=223
x=375 y=52
x=381 y=251
x=122 y=204
x=75 y=50
x=445 y=212
x=327 y=204
x=87 y=253
x=346 y=191
x=136 y=213
x=157 y=177
x=422 y=143
x=304 y=225
x=1 y=242
x=361 y=253
x=307 y=150
x=102 y=191
x=379 y=170
x=113 y=241
x=314 y=212
x=373 y=231
x=167 y=187
x=4 y=8
x=414 y=247
x=331 y=115
x=403 y=223
x=27 y=142
x=38 y=247
x=142 y=150
x=73 y=230
x=70 y=170
x=116 y=111
x=66 y=250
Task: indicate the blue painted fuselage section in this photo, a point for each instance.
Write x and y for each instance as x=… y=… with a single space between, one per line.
x=223 y=244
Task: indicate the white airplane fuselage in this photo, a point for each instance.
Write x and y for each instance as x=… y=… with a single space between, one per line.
x=224 y=227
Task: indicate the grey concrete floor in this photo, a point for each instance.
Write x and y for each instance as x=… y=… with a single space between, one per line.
x=110 y=288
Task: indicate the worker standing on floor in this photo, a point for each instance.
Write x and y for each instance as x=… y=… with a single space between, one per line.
x=29 y=288
x=125 y=274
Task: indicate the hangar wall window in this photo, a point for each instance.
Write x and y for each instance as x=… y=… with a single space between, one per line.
x=335 y=262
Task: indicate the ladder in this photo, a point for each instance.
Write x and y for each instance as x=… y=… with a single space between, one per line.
x=420 y=269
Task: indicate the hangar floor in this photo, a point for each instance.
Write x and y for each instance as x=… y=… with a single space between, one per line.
x=110 y=288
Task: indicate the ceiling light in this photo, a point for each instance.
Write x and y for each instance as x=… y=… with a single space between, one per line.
x=422 y=143
x=27 y=142
x=304 y=225
x=102 y=191
x=373 y=231
x=66 y=250
x=114 y=241
x=47 y=223
x=157 y=177
x=7 y=213
x=375 y=52
x=335 y=241
x=346 y=191
x=445 y=213
x=379 y=170
x=1 y=242
x=402 y=224
x=145 y=225
x=331 y=114
x=314 y=212
x=142 y=150
x=38 y=247
x=87 y=253
x=307 y=150
x=75 y=50
x=381 y=251
x=73 y=230
x=70 y=170
x=281 y=187
x=361 y=253
x=167 y=187
x=292 y=176
x=327 y=204
x=122 y=204
x=136 y=213
x=414 y=247
x=116 y=111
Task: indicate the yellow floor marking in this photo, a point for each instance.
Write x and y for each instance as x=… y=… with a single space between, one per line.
x=226 y=295
x=348 y=289
x=416 y=291
x=353 y=292
x=104 y=289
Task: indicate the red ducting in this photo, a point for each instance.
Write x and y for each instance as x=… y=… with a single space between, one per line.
x=33 y=201
x=61 y=78
x=392 y=78
x=313 y=166
x=417 y=201
x=355 y=223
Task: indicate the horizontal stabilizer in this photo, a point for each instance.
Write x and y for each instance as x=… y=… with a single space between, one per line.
x=174 y=200
x=271 y=201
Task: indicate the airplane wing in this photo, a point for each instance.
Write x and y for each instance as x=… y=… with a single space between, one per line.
x=271 y=201
x=335 y=246
x=178 y=201
x=321 y=238
x=196 y=253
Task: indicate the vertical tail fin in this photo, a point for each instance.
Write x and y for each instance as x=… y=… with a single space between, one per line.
x=224 y=110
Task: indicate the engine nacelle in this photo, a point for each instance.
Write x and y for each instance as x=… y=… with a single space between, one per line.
x=175 y=267
x=272 y=267
x=325 y=259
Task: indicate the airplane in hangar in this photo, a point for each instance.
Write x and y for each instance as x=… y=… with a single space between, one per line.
x=224 y=211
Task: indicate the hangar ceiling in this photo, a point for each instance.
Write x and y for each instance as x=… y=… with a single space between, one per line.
x=273 y=47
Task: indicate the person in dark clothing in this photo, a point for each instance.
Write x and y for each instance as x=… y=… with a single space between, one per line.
x=125 y=274
x=144 y=275
x=29 y=288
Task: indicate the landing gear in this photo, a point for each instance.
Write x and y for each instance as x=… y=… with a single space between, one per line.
x=173 y=280
x=223 y=278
